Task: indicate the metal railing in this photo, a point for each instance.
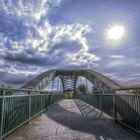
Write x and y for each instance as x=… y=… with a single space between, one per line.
x=18 y=107
x=123 y=108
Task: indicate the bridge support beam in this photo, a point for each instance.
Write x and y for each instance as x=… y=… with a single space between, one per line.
x=69 y=79
x=69 y=83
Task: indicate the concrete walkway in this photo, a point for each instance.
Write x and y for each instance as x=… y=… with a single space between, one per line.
x=72 y=120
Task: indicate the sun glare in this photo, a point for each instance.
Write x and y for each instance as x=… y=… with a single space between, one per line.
x=115 y=32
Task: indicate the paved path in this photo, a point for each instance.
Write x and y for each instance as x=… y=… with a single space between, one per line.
x=72 y=120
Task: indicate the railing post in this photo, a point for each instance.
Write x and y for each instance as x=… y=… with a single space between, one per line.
x=54 y=98
x=29 y=105
x=114 y=106
x=41 y=101
x=2 y=113
x=100 y=102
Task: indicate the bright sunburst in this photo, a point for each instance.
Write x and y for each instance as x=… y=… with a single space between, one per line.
x=115 y=32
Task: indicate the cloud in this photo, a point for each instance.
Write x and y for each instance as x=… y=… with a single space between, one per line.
x=40 y=35
x=16 y=80
x=117 y=56
x=12 y=27
x=61 y=39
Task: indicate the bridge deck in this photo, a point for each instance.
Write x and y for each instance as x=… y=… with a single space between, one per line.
x=72 y=120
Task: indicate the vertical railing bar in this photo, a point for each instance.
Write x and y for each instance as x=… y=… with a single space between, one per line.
x=114 y=106
x=2 y=114
x=29 y=109
x=9 y=113
x=138 y=123
x=125 y=108
x=127 y=112
x=5 y=127
x=136 y=113
x=5 y=110
x=131 y=111
x=12 y=112
x=41 y=101
x=135 y=101
x=114 y=114
x=117 y=104
x=100 y=103
x=132 y=114
x=138 y=107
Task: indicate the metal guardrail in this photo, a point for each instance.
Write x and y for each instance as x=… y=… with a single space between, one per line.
x=19 y=106
x=16 y=110
x=96 y=91
x=125 y=109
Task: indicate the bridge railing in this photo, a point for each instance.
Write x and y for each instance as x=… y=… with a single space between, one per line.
x=18 y=107
x=123 y=108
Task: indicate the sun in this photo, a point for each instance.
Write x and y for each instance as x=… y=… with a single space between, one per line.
x=115 y=32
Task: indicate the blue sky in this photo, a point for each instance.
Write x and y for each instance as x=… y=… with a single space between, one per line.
x=37 y=35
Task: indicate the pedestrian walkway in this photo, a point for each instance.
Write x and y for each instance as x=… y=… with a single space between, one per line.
x=72 y=120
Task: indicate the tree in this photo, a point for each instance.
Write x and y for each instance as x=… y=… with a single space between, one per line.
x=82 y=89
x=68 y=94
x=136 y=91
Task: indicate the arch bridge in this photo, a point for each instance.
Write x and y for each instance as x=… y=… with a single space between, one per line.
x=108 y=101
x=69 y=79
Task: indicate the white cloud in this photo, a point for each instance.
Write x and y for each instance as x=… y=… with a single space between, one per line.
x=46 y=35
x=34 y=9
x=117 y=56
x=84 y=58
x=114 y=63
x=43 y=38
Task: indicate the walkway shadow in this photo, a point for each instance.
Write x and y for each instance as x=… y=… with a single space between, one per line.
x=67 y=114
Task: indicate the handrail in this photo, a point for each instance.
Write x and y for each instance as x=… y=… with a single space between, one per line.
x=20 y=109
x=115 y=89
x=17 y=89
x=124 y=108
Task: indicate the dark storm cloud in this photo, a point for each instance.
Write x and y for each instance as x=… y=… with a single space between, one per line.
x=28 y=58
x=32 y=57
x=24 y=58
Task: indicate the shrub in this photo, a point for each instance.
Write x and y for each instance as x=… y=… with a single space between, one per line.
x=82 y=89
x=68 y=94
x=136 y=91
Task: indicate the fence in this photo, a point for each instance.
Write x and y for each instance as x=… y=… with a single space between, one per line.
x=16 y=110
x=125 y=109
x=18 y=107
